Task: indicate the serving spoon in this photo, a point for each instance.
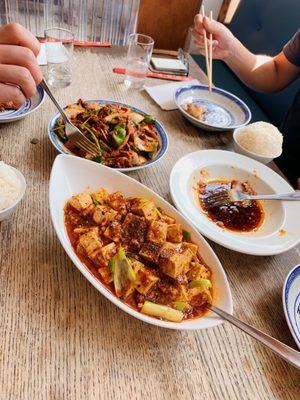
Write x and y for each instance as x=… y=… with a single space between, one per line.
x=282 y=350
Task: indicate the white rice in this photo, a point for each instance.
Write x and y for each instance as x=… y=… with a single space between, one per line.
x=10 y=186
x=261 y=138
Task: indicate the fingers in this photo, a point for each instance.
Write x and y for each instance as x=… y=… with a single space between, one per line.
x=23 y=57
x=16 y=34
x=204 y=24
x=18 y=76
x=11 y=93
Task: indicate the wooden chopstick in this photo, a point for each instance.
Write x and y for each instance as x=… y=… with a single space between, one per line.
x=206 y=52
x=210 y=55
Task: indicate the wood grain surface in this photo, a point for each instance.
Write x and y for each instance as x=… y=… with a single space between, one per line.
x=60 y=339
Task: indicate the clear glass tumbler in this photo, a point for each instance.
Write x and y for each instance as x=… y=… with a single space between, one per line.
x=138 y=58
x=59 y=51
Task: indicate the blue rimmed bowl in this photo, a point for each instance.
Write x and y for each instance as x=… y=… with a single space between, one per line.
x=291 y=302
x=27 y=108
x=164 y=141
x=224 y=111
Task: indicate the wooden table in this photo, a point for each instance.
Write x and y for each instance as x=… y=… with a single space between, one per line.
x=60 y=339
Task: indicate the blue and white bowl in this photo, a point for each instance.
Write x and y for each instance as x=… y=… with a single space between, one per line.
x=27 y=108
x=225 y=111
x=291 y=302
x=164 y=141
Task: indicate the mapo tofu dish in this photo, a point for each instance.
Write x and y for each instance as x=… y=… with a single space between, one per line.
x=140 y=253
x=124 y=138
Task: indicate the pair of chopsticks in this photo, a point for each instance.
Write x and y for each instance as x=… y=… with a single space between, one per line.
x=208 y=51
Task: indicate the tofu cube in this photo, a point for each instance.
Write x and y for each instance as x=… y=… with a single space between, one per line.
x=174 y=233
x=157 y=232
x=167 y=219
x=81 y=201
x=150 y=251
x=103 y=255
x=145 y=209
x=90 y=241
x=145 y=277
x=118 y=202
x=104 y=214
x=176 y=264
x=134 y=231
x=197 y=271
x=113 y=231
x=169 y=249
x=101 y=196
x=192 y=246
x=105 y=274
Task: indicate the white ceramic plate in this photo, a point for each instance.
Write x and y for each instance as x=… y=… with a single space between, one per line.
x=27 y=108
x=224 y=111
x=281 y=229
x=71 y=175
x=291 y=302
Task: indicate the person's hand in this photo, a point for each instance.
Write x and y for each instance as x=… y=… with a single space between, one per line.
x=223 y=39
x=19 y=70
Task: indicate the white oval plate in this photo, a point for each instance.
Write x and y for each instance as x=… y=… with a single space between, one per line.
x=291 y=302
x=27 y=108
x=225 y=111
x=71 y=175
x=281 y=229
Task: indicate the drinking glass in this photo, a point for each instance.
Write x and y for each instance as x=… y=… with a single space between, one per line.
x=138 y=58
x=59 y=52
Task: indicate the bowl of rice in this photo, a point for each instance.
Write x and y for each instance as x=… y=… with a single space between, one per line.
x=261 y=141
x=12 y=189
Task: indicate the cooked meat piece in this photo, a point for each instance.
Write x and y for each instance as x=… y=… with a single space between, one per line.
x=192 y=246
x=101 y=196
x=174 y=233
x=8 y=105
x=150 y=251
x=176 y=264
x=90 y=241
x=134 y=232
x=145 y=209
x=196 y=110
x=157 y=232
x=113 y=231
x=81 y=201
x=118 y=202
x=103 y=215
x=169 y=249
x=145 y=277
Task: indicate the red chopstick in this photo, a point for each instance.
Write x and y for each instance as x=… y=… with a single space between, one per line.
x=157 y=75
x=81 y=43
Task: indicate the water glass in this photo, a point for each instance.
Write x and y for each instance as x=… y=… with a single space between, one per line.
x=59 y=52
x=138 y=59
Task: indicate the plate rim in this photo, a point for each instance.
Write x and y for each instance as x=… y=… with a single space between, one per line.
x=163 y=136
x=246 y=110
x=94 y=281
x=285 y=291
x=212 y=237
x=17 y=117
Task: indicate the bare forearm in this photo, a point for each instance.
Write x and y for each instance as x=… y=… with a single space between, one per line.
x=256 y=71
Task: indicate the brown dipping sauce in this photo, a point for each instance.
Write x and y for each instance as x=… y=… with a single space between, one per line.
x=242 y=216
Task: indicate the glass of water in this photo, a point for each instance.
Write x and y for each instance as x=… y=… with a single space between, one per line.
x=59 y=52
x=138 y=58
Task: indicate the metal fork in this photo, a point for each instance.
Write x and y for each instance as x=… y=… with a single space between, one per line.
x=282 y=350
x=221 y=196
x=72 y=132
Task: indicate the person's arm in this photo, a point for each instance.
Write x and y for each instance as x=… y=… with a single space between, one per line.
x=19 y=70
x=261 y=73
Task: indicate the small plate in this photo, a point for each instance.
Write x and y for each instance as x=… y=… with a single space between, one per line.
x=71 y=175
x=164 y=141
x=280 y=230
x=225 y=111
x=291 y=302
x=27 y=108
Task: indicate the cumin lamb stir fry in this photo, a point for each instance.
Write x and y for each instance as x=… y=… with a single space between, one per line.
x=141 y=254
x=124 y=138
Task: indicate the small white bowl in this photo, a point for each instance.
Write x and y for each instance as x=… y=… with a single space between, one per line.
x=241 y=150
x=7 y=212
